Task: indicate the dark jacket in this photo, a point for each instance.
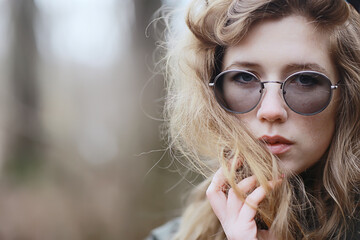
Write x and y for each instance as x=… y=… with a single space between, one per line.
x=166 y=231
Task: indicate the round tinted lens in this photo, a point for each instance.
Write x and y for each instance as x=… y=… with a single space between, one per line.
x=307 y=93
x=237 y=91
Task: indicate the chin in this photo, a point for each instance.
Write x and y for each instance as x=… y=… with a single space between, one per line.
x=291 y=167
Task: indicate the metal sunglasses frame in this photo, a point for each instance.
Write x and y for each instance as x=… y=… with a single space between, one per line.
x=262 y=87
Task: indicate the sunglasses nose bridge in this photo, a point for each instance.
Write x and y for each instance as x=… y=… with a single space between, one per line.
x=280 y=91
x=265 y=82
x=263 y=87
x=272 y=106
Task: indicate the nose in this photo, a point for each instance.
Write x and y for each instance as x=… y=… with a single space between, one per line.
x=272 y=107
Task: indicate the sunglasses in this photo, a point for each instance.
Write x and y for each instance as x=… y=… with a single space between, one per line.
x=305 y=92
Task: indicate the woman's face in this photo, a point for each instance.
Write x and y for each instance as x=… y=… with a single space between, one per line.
x=272 y=50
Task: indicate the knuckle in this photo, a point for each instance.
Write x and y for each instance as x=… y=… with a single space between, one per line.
x=210 y=192
x=251 y=199
x=231 y=191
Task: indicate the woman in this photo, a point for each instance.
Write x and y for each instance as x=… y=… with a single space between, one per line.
x=266 y=94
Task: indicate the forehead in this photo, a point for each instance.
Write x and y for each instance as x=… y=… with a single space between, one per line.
x=275 y=44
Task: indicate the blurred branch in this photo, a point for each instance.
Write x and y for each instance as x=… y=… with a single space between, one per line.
x=24 y=149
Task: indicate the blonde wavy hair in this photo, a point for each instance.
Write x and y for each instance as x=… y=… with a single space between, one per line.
x=205 y=137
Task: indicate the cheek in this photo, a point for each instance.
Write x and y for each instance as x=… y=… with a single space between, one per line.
x=251 y=122
x=317 y=134
x=322 y=126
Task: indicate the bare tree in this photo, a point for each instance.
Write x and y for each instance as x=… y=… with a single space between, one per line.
x=24 y=154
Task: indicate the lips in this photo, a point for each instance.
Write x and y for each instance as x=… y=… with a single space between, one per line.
x=277 y=144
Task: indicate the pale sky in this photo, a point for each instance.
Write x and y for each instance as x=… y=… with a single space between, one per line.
x=88 y=32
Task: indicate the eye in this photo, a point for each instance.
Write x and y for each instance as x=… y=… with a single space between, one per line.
x=306 y=80
x=244 y=78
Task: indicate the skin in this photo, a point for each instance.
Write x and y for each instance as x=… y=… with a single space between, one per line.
x=273 y=50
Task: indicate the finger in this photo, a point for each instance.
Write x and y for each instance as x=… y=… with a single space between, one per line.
x=247 y=184
x=236 y=161
x=253 y=200
x=234 y=203
x=216 y=195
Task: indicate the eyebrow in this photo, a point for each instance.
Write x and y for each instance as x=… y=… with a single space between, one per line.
x=306 y=66
x=239 y=64
x=288 y=68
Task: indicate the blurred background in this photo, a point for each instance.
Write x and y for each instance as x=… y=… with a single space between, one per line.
x=80 y=149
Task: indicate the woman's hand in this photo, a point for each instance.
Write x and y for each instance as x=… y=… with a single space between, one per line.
x=236 y=216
